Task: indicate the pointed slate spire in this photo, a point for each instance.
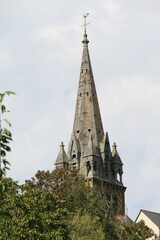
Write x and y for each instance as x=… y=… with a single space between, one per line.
x=62 y=159
x=87 y=118
x=115 y=155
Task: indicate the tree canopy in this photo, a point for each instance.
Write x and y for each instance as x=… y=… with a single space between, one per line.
x=59 y=205
x=31 y=214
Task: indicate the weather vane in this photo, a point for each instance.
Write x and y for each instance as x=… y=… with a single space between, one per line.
x=85 y=23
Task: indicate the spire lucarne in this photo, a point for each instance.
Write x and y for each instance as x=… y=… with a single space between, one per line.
x=89 y=148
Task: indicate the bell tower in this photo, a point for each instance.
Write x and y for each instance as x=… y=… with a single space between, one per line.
x=89 y=148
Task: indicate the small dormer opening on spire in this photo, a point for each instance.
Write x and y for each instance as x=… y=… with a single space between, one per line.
x=74 y=156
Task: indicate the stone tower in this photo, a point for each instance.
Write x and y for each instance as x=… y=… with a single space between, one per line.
x=89 y=148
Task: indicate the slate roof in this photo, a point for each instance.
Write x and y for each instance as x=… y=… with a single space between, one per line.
x=153 y=216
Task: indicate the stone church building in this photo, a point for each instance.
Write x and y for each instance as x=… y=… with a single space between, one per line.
x=89 y=148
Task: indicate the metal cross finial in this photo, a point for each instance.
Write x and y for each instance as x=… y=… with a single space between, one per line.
x=85 y=23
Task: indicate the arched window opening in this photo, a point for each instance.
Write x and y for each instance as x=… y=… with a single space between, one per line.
x=118 y=177
x=88 y=167
x=74 y=156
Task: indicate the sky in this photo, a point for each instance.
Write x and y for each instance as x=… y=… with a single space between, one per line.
x=40 y=56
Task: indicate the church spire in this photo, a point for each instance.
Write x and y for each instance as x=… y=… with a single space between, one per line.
x=89 y=149
x=87 y=118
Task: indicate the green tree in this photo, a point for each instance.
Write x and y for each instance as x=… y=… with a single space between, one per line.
x=86 y=227
x=78 y=198
x=31 y=214
x=72 y=189
x=5 y=138
x=60 y=205
x=110 y=230
x=130 y=230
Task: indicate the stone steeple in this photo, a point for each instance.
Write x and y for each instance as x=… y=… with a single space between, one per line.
x=89 y=148
x=87 y=118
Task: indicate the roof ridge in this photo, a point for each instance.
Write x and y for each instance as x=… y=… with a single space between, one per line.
x=150 y=211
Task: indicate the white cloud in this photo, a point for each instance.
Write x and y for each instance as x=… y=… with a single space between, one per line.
x=112 y=7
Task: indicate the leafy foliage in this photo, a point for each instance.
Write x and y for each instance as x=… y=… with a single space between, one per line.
x=134 y=231
x=88 y=207
x=72 y=189
x=59 y=205
x=31 y=214
x=86 y=227
x=5 y=138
